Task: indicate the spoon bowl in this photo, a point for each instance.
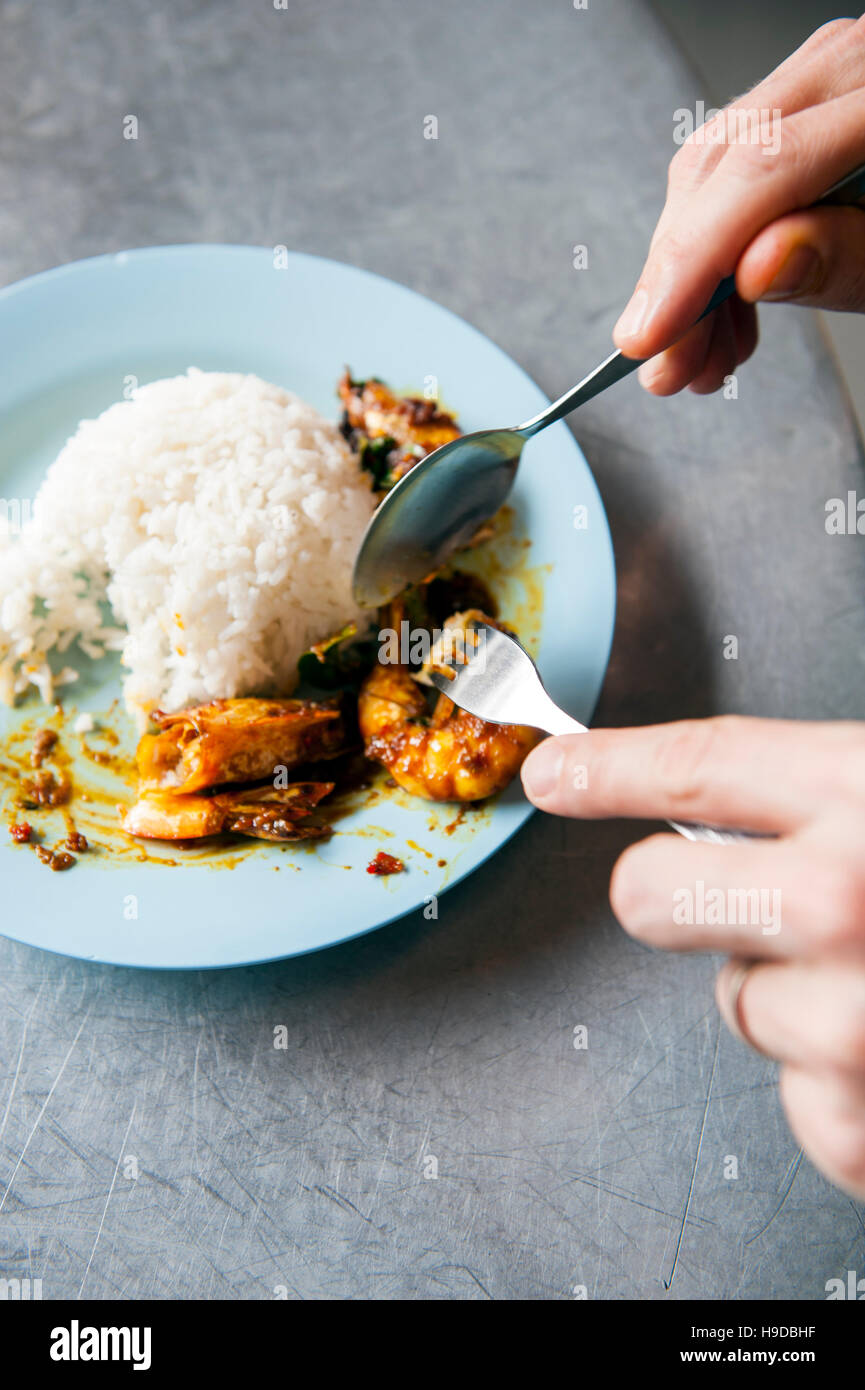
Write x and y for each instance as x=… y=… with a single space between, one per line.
x=433 y=511
x=436 y=508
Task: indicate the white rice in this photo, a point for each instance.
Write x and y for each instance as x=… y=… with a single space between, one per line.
x=218 y=515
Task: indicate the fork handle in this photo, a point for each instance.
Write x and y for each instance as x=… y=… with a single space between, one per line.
x=556 y=722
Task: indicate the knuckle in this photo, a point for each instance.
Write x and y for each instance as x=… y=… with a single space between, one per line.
x=693 y=162
x=675 y=251
x=685 y=757
x=825 y=34
x=746 y=159
x=832 y=29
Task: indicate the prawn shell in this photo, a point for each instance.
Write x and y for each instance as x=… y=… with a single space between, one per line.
x=241 y=740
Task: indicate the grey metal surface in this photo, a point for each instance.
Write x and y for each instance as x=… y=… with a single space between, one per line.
x=306 y=1169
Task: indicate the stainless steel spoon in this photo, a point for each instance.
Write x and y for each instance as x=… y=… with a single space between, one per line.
x=437 y=507
x=499 y=682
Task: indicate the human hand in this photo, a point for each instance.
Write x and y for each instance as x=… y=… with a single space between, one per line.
x=734 y=205
x=795 y=903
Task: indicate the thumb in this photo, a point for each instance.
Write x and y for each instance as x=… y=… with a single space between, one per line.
x=816 y=257
x=551 y=775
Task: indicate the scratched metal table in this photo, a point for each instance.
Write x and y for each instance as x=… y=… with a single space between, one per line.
x=431 y=1131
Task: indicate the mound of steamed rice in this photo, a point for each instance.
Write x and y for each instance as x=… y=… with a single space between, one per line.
x=206 y=528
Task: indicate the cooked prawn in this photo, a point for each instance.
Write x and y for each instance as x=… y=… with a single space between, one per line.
x=264 y=813
x=240 y=740
x=413 y=427
x=448 y=755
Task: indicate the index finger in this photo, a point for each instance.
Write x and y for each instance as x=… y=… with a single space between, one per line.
x=755 y=774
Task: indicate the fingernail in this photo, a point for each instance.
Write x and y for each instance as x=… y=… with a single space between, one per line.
x=631 y=320
x=542 y=769
x=798 y=275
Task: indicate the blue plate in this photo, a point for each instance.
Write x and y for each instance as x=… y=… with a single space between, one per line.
x=71 y=340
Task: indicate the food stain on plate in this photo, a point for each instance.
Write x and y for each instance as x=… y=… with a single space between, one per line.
x=58 y=783
x=63 y=783
x=503 y=563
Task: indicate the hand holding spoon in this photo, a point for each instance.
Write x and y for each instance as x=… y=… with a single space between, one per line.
x=437 y=507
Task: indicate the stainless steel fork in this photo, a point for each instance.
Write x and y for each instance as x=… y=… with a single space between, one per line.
x=499 y=682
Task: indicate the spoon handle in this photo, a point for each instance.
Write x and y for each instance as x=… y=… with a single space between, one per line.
x=611 y=370
x=617 y=366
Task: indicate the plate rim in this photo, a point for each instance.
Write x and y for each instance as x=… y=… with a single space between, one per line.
x=178 y=250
